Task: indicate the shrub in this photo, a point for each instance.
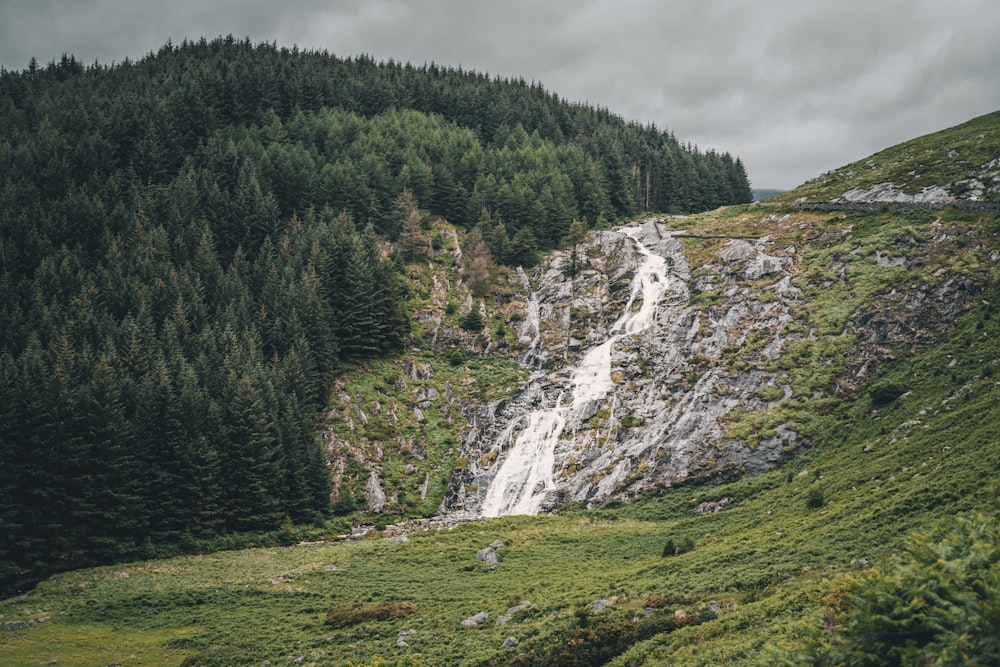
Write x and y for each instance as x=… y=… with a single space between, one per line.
x=814 y=497
x=596 y=641
x=472 y=321
x=681 y=546
x=346 y=615
x=938 y=604
x=886 y=392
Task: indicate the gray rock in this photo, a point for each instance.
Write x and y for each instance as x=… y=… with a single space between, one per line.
x=598 y=605
x=711 y=507
x=475 y=621
x=714 y=607
x=506 y=618
x=487 y=555
x=737 y=250
x=18 y=625
x=862 y=564
x=496 y=544
x=510 y=642
x=404 y=637
x=595 y=457
x=331 y=568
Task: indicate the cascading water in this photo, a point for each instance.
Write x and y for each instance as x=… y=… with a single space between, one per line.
x=526 y=475
x=530 y=332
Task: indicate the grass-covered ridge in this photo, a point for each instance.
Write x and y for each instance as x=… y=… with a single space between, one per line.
x=949 y=159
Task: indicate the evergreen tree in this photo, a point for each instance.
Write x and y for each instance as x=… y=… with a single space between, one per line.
x=181 y=276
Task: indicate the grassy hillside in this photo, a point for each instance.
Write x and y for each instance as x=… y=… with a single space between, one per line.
x=906 y=441
x=772 y=559
x=949 y=158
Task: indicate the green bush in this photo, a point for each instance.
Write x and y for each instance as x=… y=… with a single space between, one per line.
x=681 y=546
x=814 y=497
x=472 y=321
x=887 y=392
x=938 y=604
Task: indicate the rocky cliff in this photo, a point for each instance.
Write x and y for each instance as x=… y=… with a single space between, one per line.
x=672 y=350
x=675 y=356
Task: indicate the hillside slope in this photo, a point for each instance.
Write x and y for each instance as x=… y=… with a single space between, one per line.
x=958 y=165
x=885 y=368
x=712 y=364
x=195 y=247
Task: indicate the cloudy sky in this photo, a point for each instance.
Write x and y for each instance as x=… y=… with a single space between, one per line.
x=794 y=87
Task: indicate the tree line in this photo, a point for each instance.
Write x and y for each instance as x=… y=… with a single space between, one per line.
x=193 y=245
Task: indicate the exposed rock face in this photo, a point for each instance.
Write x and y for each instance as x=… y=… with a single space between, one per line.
x=640 y=364
x=889 y=192
x=638 y=401
x=475 y=621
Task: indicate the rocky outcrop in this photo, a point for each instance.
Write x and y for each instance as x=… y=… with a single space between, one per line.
x=632 y=378
x=475 y=621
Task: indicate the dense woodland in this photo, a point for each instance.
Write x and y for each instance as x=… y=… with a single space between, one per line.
x=193 y=245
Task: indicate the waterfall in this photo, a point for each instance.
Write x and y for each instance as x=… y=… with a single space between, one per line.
x=526 y=474
x=530 y=331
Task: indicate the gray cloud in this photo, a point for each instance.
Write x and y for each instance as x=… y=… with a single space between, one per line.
x=794 y=87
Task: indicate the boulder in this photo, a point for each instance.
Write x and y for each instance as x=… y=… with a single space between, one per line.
x=511 y=611
x=487 y=555
x=598 y=605
x=475 y=621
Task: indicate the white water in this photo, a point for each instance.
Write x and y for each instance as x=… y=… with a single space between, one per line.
x=526 y=475
x=530 y=331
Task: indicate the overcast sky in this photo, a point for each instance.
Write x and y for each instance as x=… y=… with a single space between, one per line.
x=794 y=87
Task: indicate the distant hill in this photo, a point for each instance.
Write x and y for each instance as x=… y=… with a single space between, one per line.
x=760 y=194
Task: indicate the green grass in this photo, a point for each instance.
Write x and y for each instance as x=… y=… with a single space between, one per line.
x=769 y=560
x=916 y=443
x=387 y=398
